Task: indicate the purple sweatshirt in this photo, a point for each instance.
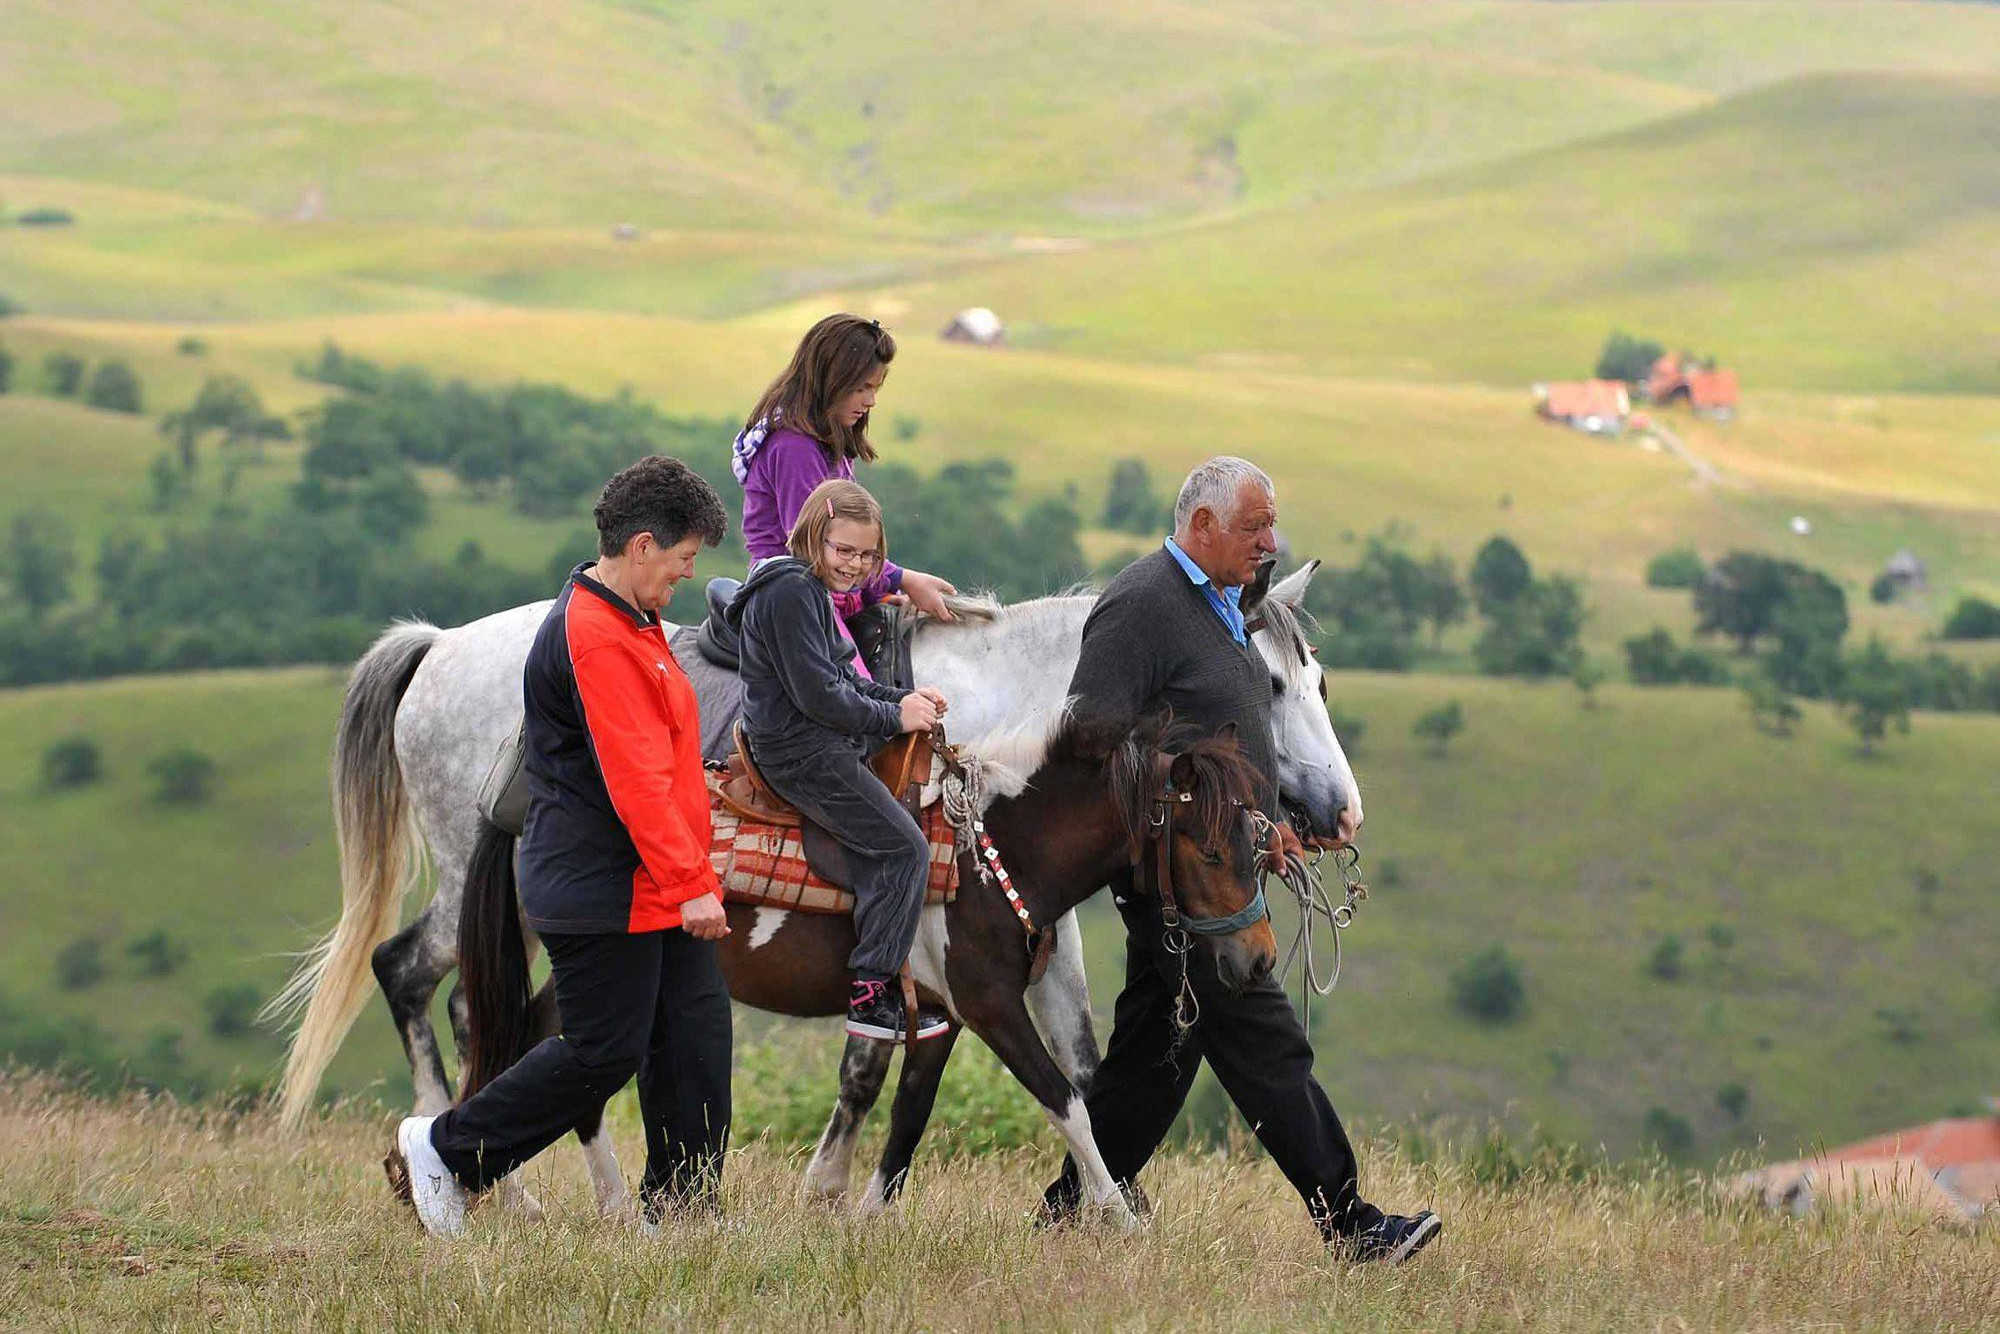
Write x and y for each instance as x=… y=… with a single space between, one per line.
x=780 y=475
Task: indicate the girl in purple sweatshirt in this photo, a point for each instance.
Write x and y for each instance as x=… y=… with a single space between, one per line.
x=809 y=427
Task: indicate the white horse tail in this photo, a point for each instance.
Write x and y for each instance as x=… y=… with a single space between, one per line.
x=380 y=858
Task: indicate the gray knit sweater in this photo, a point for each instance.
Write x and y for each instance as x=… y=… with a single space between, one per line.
x=1154 y=640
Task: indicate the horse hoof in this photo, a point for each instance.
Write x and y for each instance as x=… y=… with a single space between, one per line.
x=523 y=1205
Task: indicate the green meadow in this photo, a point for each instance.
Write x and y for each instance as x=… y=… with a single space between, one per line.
x=1343 y=239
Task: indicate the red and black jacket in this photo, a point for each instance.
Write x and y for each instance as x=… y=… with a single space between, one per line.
x=618 y=829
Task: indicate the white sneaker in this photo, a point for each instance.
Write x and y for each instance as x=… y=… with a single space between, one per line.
x=435 y=1193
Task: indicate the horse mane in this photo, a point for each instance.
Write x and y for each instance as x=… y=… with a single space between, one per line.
x=1128 y=750
x=1289 y=624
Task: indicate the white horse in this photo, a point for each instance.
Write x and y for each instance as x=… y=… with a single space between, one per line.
x=426 y=711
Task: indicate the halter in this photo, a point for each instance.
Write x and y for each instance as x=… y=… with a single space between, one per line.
x=1174 y=923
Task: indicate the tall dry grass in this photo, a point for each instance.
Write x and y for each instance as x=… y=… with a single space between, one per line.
x=139 y=1215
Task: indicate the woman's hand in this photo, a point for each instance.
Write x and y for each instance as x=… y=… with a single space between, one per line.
x=920 y=712
x=927 y=593
x=704 y=919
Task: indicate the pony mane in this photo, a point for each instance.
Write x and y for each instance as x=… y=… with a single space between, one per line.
x=1129 y=750
x=1289 y=625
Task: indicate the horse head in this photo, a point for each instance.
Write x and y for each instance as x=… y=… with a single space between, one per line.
x=1196 y=836
x=1315 y=781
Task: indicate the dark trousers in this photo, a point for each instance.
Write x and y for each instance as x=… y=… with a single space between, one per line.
x=653 y=1004
x=888 y=858
x=1259 y=1052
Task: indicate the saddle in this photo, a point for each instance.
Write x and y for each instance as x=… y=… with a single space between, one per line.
x=903 y=766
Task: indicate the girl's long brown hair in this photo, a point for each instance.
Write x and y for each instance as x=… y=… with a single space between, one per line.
x=830 y=500
x=834 y=359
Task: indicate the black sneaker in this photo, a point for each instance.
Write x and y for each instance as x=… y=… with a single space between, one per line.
x=1392 y=1240
x=875 y=1010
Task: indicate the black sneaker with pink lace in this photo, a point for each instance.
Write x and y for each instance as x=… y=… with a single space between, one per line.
x=875 y=1010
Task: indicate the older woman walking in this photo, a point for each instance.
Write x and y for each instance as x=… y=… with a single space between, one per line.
x=614 y=876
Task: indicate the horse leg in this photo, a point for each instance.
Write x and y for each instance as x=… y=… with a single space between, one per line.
x=863 y=1067
x=909 y=1113
x=607 y=1183
x=409 y=966
x=1060 y=1003
x=1000 y=1017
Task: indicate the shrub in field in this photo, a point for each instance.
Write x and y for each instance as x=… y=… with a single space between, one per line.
x=1500 y=573
x=1350 y=729
x=74 y=761
x=1679 y=568
x=6 y=367
x=1734 y=1099
x=1654 y=659
x=1488 y=986
x=1668 y=1132
x=63 y=372
x=115 y=388
x=1973 y=618
x=45 y=217
x=1772 y=710
x=39 y=554
x=1899 y=1024
x=232 y=1010
x=80 y=964
x=1666 y=959
x=1874 y=694
x=156 y=953
x=191 y=346
x=1626 y=357
x=183 y=776
x=1439 y=726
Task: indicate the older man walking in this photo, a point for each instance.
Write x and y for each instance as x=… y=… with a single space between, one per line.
x=1170 y=632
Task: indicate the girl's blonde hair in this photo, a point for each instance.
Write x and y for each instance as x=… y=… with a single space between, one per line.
x=834 y=359
x=830 y=500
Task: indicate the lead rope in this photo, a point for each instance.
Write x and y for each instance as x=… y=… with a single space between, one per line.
x=962 y=792
x=1316 y=906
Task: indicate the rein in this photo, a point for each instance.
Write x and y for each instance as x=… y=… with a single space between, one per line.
x=962 y=792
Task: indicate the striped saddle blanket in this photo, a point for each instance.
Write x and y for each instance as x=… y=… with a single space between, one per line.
x=765 y=864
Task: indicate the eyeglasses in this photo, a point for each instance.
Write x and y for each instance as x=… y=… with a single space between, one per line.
x=845 y=555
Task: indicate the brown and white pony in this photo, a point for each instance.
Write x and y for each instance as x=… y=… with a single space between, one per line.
x=1109 y=796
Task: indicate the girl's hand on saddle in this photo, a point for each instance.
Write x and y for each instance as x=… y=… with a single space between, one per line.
x=704 y=919
x=920 y=711
x=935 y=696
x=927 y=592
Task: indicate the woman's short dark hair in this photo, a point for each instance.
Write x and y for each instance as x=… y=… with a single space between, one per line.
x=661 y=496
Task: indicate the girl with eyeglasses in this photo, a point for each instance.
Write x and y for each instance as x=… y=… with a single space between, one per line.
x=812 y=721
x=810 y=426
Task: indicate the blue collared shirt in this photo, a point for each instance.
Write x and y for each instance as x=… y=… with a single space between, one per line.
x=1226 y=601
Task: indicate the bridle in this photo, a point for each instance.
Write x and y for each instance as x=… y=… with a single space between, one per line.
x=1175 y=924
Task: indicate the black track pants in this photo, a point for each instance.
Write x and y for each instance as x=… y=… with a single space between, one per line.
x=652 y=1004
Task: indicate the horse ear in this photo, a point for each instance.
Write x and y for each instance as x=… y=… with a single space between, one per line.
x=1292 y=589
x=1181 y=773
x=1257 y=589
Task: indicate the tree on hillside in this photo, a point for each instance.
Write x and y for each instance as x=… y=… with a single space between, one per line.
x=392 y=505
x=1972 y=618
x=115 y=388
x=1749 y=596
x=1586 y=676
x=40 y=550
x=1439 y=726
x=1626 y=358
x=64 y=373
x=228 y=404
x=1874 y=694
x=1772 y=710
x=1441 y=598
x=1500 y=573
x=1655 y=659
x=1682 y=567
x=6 y=370
x=1129 y=505
x=1535 y=632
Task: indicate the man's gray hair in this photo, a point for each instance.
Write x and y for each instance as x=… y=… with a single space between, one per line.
x=1213 y=486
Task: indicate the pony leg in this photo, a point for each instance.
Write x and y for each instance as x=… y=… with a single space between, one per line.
x=409 y=966
x=1002 y=1022
x=607 y=1183
x=909 y=1113
x=863 y=1067
x=1060 y=1003
x=510 y=1190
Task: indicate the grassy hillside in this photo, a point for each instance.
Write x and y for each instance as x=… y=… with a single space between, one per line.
x=1824 y=233
x=150 y=1217
x=723 y=112
x=1450 y=464
x=1538 y=833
